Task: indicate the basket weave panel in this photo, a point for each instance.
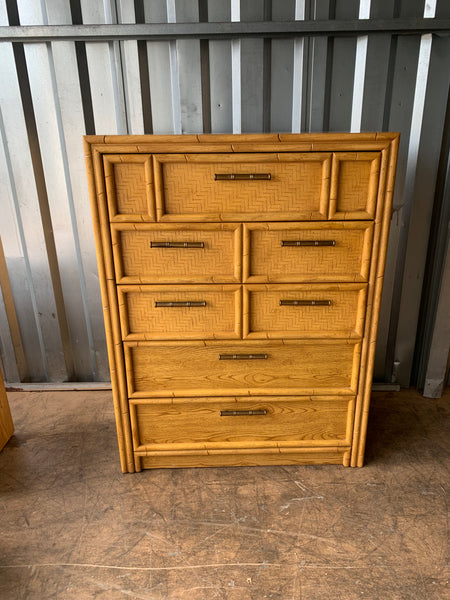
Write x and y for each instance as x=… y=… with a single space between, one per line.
x=342 y=262
x=214 y=262
x=353 y=189
x=190 y=188
x=217 y=318
x=341 y=317
x=130 y=187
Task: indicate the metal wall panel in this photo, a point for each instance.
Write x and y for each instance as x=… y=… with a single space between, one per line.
x=56 y=90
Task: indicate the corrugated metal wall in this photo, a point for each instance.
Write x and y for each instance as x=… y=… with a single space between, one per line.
x=54 y=90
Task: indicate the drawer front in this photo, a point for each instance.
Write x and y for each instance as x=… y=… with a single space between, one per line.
x=173 y=312
x=189 y=369
x=354 y=185
x=304 y=252
x=304 y=420
x=302 y=311
x=234 y=187
x=177 y=254
x=129 y=187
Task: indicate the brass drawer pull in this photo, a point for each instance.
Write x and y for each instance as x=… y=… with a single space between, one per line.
x=305 y=302
x=187 y=304
x=241 y=176
x=308 y=243
x=243 y=356
x=177 y=244
x=243 y=413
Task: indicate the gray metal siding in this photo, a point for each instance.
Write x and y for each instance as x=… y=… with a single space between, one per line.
x=57 y=88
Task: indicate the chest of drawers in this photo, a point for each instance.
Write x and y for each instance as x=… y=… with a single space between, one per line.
x=241 y=279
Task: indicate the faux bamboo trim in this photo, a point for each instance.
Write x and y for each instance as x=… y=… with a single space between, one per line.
x=165 y=450
x=393 y=153
x=380 y=148
x=110 y=300
x=106 y=312
x=382 y=219
x=224 y=447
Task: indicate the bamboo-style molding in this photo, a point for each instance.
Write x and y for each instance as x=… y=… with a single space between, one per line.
x=385 y=217
x=374 y=255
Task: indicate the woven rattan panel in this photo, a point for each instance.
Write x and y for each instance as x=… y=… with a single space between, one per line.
x=241 y=278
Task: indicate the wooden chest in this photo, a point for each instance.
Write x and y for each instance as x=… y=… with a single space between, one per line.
x=241 y=280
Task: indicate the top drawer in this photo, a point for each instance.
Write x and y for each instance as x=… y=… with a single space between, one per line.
x=288 y=186
x=236 y=187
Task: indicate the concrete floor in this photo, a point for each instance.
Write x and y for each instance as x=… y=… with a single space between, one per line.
x=73 y=527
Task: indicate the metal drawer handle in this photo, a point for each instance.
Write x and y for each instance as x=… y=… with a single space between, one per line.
x=177 y=244
x=243 y=413
x=305 y=302
x=308 y=243
x=241 y=176
x=243 y=356
x=187 y=304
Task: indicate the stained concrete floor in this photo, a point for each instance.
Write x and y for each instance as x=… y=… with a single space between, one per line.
x=73 y=527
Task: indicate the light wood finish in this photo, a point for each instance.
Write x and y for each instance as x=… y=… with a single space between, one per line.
x=249 y=340
x=354 y=185
x=129 y=187
x=267 y=260
x=307 y=367
x=219 y=261
x=266 y=317
x=143 y=319
x=187 y=189
x=6 y=422
x=206 y=422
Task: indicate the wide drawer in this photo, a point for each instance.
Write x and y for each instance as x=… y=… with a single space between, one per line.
x=305 y=420
x=307 y=252
x=218 y=368
x=235 y=187
x=209 y=253
x=154 y=312
x=304 y=311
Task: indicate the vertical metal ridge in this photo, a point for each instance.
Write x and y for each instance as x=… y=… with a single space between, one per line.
x=11 y=316
x=205 y=69
x=174 y=72
x=144 y=76
x=329 y=72
x=360 y=70
x=435 y=258
x=38 y=171
x=267 y=71
x=23 y=245
x=73 y=219
x=297 y=83
x=83 y=71
x=236 y=71
x=420 y=89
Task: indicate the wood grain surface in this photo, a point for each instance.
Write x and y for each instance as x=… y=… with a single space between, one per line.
x=283 y=264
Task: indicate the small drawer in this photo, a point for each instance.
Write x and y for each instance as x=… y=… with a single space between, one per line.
x=129 y=187
x=209 y=422
x=304 y=311
x=209 y=253
x=236 y=187
x=306 y=252
x=354 y=185
x=219 y=368
x=153 y=312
